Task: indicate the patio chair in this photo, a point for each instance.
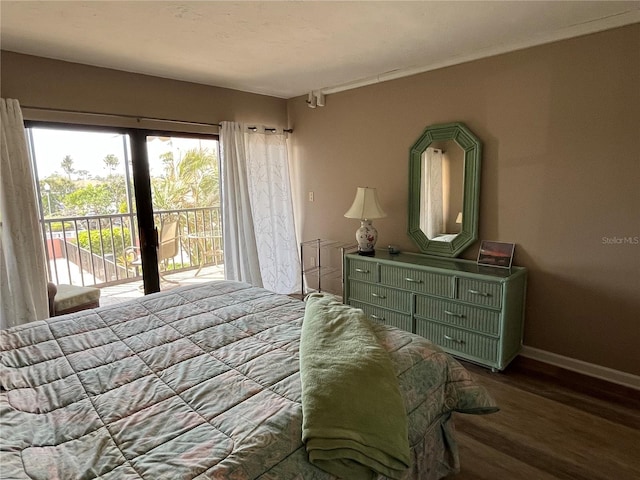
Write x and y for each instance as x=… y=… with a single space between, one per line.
x=168 y=248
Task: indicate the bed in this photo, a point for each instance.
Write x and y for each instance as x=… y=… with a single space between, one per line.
x=199 y=382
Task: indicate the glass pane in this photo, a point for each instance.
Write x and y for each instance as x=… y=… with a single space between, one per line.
x=87 y=206
x=186 y=201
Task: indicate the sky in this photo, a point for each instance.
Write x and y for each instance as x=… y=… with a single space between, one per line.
x=88 y=149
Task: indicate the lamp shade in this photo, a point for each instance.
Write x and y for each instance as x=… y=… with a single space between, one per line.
x=459 y=218
x=365 y=205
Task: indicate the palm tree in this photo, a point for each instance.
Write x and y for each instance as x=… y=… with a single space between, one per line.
x=191 y=182
x=111 y=162
x=198 y=170
x=67 y=165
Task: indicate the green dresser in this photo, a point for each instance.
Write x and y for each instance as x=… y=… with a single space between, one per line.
x=473 y=312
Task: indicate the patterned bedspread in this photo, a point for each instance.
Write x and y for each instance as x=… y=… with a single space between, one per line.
x=200 y=382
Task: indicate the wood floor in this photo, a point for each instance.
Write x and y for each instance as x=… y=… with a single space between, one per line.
x=552 y=424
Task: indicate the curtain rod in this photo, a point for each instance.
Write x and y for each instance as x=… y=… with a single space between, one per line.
x=139 y=118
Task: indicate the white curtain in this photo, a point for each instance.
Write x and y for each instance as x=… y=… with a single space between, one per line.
x=23 y=274
x=432 y=221
x=259 y=232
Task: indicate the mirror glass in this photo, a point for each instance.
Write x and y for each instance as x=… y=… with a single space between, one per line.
x=444 y=180
x=441 y=191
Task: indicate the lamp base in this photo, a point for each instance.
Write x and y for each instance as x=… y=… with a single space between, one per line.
x=366 y=236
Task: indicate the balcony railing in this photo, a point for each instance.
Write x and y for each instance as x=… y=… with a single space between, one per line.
x=92 y=250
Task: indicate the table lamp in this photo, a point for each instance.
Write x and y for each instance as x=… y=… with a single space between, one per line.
x=365 y=208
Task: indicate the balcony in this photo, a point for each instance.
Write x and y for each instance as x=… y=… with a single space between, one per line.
x=122 y=292
x=100 y=251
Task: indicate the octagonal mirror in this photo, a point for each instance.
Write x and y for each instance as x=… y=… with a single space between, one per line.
x=444 y=188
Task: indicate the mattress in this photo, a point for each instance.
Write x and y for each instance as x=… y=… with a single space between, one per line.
x=199 y=382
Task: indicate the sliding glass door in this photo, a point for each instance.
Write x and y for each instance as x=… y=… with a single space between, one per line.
x=123 y=205
x=185 y=193
x=88 y=212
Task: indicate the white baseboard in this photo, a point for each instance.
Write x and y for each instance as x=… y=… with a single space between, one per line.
x=585 y=368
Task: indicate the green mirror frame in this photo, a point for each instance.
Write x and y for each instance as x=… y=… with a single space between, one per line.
x=472 y=148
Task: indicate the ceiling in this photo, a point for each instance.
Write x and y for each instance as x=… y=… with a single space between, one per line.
x=286 y=49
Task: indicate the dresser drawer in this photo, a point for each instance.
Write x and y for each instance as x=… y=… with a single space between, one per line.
x=381 y=296
x=417 y=280
x=363 y=270
x=385 y=317
x=459 y=314
x=480 y=292
x=459 y=341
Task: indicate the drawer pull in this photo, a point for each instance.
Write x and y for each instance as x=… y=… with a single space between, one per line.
x=412 y=280
x=454 y=314
x=361 y=270
x=478 y=292
x=376 y=317
x=377 y=295
x=447 y=337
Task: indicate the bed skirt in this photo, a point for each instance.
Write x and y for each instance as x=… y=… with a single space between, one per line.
x=436 y=455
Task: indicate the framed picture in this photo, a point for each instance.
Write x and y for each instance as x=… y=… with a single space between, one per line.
x=496 y=254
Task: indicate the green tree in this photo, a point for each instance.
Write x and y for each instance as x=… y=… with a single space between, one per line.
x=59 y=184
x=85 y=174
x=53 y=199
x=117 y=185
x=90 y=200
x=104 y=197
x=67 y=165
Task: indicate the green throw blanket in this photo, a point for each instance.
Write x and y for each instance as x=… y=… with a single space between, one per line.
x=354 y=422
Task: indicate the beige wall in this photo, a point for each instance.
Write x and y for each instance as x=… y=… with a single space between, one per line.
x=561 y=169
x=560 y=125
x=40 y=82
